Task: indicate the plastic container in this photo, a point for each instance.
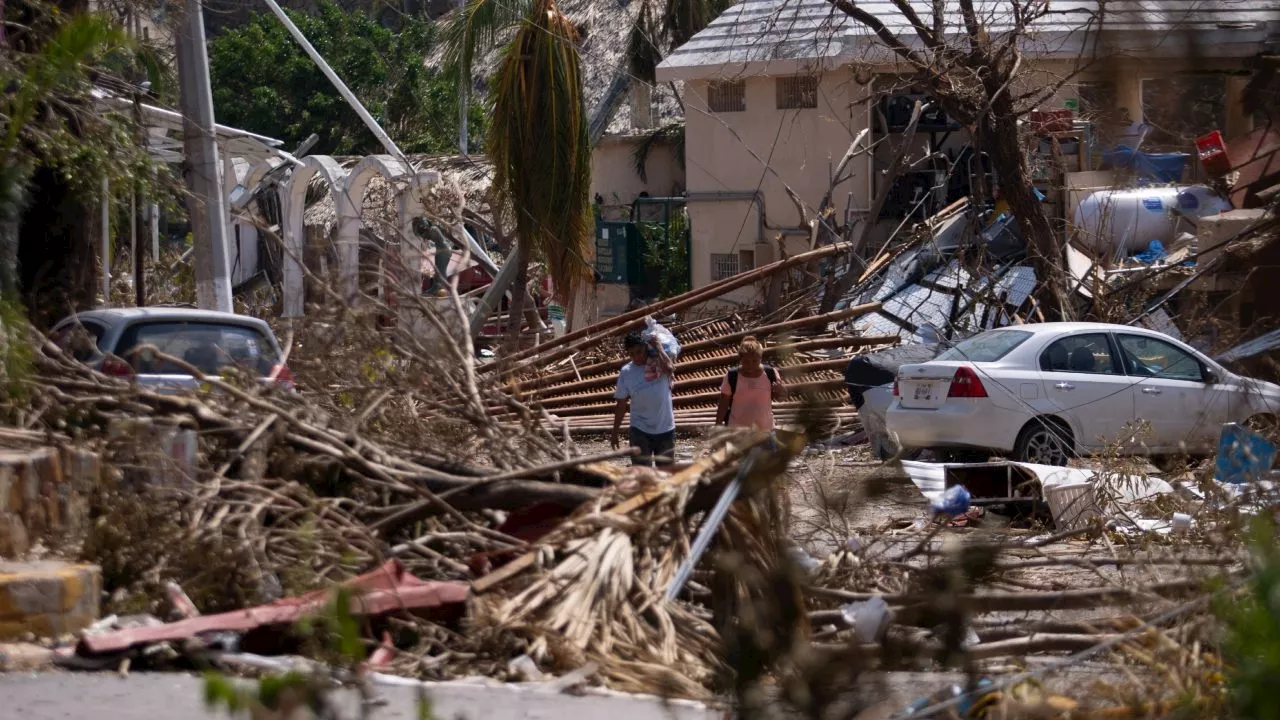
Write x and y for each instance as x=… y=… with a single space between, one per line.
x=1212 y=150
x=1071 y=505
x=1120 y=156
x=1161 y=167
x=1126 y=221
x=1181 y=523
x=1158 y=167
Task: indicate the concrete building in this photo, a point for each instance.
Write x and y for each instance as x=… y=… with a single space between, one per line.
x=777 y=90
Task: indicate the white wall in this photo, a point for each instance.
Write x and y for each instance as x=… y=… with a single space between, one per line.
x=769 y=150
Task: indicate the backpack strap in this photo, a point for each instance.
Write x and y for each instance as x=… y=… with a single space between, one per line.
x=733 y=390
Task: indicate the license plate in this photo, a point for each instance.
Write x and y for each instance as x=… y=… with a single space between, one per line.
x=924 y=391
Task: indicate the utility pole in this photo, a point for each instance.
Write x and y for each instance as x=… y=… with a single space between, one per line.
x=208 y=205
x=135 y=247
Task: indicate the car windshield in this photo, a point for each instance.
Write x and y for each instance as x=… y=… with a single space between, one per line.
x=986 y=347
x=208 y=346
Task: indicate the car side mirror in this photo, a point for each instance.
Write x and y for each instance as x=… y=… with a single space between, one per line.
x=1211 y=377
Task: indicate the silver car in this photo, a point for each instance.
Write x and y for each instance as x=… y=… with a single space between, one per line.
x=108 y=339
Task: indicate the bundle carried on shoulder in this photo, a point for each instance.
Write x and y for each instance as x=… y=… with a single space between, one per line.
x=666 y=339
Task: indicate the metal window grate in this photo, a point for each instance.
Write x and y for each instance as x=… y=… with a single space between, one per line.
x=797 y=91
x=723 y=265
x=727 y=96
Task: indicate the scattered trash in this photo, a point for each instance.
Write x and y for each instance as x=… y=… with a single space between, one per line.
x=1243 y=455
x=1181 y=523
x=183 y=608
x=870 y=619
x=953 y=501
x=802 y=558
x=1071 y=504
x=947 y=694
x=526 y=669
x=1152 y=255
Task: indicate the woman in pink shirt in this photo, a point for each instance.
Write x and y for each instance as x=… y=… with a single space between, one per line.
x=748 y=391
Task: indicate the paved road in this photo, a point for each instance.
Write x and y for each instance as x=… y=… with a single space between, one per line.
x=166 y=696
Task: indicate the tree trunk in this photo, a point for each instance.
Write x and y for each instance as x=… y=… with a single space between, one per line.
x=519 y=290
x=1010 y=163
x=9 y=258
x=12 y=199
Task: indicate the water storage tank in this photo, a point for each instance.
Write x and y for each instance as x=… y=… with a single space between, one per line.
x=1126 y=221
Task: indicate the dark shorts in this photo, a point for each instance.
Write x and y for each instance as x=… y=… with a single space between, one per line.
x=654 y=449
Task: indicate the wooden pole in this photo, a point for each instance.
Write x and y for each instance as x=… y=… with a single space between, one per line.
x=722 y=341
x=635 y=318
x=139 y=272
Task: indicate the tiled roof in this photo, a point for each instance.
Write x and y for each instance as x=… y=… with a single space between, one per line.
x=754 y=34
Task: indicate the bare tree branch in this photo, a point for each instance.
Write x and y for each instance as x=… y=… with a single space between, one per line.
x=884 y=33
x=927 y=36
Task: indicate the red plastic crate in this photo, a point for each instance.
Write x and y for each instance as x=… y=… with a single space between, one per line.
x=1212 y=150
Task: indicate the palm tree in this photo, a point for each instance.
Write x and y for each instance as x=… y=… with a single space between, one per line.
x=540 y=138
x=538 y=145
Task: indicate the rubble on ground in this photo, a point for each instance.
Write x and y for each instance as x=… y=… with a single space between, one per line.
x=458 y=502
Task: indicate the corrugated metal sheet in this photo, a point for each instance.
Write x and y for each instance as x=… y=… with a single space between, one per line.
x=769 y=31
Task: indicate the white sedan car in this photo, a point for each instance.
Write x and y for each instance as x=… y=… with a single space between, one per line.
x=1043 y=393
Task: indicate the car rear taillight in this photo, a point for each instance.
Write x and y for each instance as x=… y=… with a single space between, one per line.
x=281 y=374
x=966 y=384
x=895 y=387
x=116 y=367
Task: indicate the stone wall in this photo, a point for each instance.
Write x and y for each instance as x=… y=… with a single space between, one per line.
x=43 y=496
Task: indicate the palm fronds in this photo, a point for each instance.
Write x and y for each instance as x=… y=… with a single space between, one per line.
x=595 y=592
x=477 y=27
x=643 y=53
x=61 y=63
x=539 y=146
x=672 y=133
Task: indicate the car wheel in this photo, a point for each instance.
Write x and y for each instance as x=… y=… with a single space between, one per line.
x=1043 y=442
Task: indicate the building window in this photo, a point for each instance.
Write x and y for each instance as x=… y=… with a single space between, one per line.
x=727 y=96
x=1181 y=108
x=726 y=265
x=723 y=265
x=797 y=92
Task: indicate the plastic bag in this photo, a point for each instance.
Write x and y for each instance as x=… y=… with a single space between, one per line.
x=955 y=501
x=669 y=344
x=869 y=618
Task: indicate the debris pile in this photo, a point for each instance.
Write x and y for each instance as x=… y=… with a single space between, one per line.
x=548 y=554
